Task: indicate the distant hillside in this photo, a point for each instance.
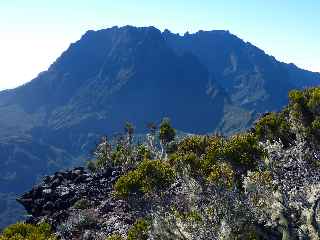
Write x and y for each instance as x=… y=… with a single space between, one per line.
x=205 y=82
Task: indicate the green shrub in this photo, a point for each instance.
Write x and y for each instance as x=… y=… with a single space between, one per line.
x=313 y=99
x=304 y=104
x=119 y=155
x=189 y=160
x=213 y=154
x=86 y=219
x=211 y=157
x=192 y=216
x=194 y=144
x=222 y=174
x=167 y=133
x=298 y=103
x=296 y=96
x=23 y=231
x=143 y=152
x=139 y=231
x=189 y=153
x=115 y=237
x=150 y=175
x=243 y=150
x=129 y=130
x=316 y=124
x=273 y=127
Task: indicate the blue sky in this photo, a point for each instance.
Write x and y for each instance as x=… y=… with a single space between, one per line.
x=35 y=32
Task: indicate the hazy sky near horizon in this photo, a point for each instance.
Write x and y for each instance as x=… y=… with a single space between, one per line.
x=35 y=32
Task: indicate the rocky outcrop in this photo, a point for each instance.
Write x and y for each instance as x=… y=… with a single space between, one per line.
x=77 y=197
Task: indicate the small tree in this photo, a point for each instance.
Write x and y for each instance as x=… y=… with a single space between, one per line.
x=103 y=153
x=129 y=130
x=166 y=134
x=151 y=140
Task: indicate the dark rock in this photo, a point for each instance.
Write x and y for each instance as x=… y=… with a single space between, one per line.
x=66 y=188
x=46 y=179
x=62 y=204
x=55 y=183
x=49 y=206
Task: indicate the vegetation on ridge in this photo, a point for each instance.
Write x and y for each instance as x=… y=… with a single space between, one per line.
x=262 y=184
x=23 y=231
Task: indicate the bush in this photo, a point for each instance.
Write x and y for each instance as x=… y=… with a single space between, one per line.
x=213 y=154
x=222 y=174
x=187 y=215
x=167 y=133
x=150 y=175
x=23 y=231
x=120 y=155
x=296 y=97
x=194 y=144
x=274 y=127
x=243 y=150
x=139 y=231
x=115 y=237
x=305 y=103
x=316 y=124
x=180 y=161
x=313 y=99
x=143 y=153
x=263 y=178
x=212 y=157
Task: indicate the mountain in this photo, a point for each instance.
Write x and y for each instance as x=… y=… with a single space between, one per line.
x=207 y=81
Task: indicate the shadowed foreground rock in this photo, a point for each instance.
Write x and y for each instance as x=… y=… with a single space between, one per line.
x=78 y=197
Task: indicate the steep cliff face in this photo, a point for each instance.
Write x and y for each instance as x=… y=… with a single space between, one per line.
x=252 y=78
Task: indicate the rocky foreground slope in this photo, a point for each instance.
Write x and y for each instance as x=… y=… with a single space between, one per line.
x=262 y=184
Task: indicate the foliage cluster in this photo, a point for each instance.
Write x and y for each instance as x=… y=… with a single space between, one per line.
x=115 y=237
x=122 y=151
x=305 y=108
x=139 y=231
x=300 y=117
x=274 y=126
x=149 y=176
x=23 y=231
x=216 y=158
x=167 y=133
